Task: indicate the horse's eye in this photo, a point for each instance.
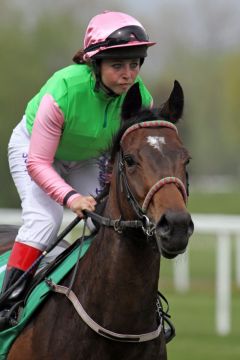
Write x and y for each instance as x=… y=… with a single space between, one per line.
x=187 y=161
x=129 y=160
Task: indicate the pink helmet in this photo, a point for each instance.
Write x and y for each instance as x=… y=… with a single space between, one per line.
x=111 y=30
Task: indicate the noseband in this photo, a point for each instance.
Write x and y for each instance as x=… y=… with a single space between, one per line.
x=159 y=184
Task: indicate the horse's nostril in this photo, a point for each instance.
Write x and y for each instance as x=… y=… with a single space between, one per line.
x=190 y=228
x=163 y=226
x=178 y=223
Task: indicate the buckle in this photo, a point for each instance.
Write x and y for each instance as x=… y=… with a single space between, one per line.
x=147 y=227
x=117 y=226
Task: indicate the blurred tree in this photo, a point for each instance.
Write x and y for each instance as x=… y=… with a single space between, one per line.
x=230 y=119
x=201 y=49
x=27 y=60
x=211 y=119
x=13 y=45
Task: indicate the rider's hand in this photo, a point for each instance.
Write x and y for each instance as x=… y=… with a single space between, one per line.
x=83 y=203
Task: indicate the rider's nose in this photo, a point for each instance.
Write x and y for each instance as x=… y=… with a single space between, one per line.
x=127 y=72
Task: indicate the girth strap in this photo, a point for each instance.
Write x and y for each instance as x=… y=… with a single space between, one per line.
x=98 y=328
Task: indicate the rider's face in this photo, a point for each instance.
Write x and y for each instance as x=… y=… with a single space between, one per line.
x=119 y=74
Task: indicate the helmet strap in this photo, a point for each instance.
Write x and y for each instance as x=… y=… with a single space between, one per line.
x=107 y=90
x=99 y=84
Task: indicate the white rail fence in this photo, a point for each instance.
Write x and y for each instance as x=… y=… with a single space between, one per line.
x=224 y=227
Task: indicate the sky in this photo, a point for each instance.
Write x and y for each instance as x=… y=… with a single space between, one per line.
x=197 y=19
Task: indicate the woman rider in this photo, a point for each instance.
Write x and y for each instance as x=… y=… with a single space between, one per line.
x=53 y=151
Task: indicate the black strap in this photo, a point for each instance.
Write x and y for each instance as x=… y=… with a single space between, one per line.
x=168 y=327
x=123 y=182
x=67 y=196
x=117 y=224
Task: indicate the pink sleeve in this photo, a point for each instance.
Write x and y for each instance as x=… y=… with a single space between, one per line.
x=45 y=138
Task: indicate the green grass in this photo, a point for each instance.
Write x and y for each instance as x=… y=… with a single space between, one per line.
x=219 y=203
x=196 y=337
x=193 y=313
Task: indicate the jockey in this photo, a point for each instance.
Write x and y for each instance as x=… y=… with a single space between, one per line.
x=54 y=150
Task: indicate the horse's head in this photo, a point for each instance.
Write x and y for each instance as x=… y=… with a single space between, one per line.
x=151 y=171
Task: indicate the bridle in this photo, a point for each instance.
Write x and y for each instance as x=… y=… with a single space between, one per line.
x=123 y=185
x=123 y=188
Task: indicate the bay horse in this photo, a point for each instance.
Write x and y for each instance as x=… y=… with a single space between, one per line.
x=116 y=283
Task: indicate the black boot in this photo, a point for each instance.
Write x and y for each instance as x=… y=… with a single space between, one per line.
x=11 y=276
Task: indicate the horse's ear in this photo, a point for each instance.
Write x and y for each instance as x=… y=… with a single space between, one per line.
x=132 y=102
x=172 y=109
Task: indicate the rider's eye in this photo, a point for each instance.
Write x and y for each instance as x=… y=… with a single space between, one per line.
x=129 y=160
x=134 y=65
x=116 y=66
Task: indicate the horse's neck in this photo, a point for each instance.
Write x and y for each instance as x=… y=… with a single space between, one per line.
x=127 y=255
x=122 y=277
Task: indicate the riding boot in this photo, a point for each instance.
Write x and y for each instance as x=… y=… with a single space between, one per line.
x=21 y=258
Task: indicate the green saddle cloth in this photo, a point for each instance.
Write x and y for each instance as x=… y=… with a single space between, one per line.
x=38 y=294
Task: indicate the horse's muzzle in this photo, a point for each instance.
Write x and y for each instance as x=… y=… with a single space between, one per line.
x=173 y=232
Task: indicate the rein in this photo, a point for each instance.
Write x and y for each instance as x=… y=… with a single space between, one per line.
x=117 y=224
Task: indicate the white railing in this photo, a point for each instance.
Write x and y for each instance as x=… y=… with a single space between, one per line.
x=223 y=226
x=13 y=217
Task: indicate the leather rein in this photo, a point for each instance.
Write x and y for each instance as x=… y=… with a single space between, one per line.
x=119 y=225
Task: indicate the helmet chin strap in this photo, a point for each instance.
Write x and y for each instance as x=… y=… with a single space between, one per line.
x=99 y=84
x=106 y=89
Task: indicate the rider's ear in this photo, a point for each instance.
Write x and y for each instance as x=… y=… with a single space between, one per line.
x=172 y=109
x=132 y=102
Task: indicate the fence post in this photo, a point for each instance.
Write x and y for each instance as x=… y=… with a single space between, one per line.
x=238 y=260
x=223 y=284
x=181 y=272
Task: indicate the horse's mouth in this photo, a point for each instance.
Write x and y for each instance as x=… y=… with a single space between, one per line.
x=172 y=233
x=168 y=254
